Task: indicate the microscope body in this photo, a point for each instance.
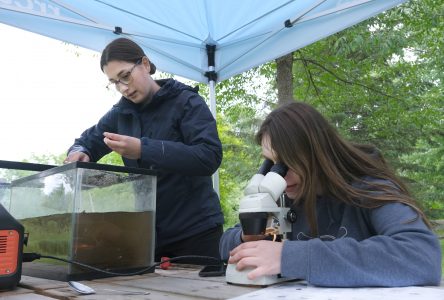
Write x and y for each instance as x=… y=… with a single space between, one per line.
x=261 y=212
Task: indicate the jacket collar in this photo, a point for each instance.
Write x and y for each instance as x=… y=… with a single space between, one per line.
x=169 y=88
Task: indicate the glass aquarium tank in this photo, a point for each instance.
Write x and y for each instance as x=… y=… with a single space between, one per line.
x=11 y=170
x=4 y=193
x=98 y=215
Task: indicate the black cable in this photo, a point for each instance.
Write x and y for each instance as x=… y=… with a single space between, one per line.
x=28 y=257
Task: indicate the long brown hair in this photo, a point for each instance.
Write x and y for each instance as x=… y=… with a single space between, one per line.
x=305 y=141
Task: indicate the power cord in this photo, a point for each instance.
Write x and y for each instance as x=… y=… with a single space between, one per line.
x=28 y=257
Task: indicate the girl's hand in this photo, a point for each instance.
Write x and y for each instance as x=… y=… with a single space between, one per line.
x=264 y=256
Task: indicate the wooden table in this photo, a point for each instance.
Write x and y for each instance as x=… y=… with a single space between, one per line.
x=176 y=283
x=179 y=282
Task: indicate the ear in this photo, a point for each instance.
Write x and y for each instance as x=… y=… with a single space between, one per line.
x=146 y=63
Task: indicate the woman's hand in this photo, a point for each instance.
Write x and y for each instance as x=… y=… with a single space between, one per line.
x=76 y=156
x=127 y=146
x=264 y=256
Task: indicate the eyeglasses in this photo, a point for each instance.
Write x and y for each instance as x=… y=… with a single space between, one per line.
x=125 y=79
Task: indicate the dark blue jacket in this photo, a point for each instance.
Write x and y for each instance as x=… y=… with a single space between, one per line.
x=180 y=140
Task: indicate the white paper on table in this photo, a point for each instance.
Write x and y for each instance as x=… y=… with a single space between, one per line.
x=301 y=291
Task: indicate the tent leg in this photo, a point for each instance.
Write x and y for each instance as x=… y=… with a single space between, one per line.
x=212 y=85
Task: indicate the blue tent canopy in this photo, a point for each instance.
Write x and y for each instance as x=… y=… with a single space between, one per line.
x=180 y=36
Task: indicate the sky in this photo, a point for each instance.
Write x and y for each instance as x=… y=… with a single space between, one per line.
x=51 y=92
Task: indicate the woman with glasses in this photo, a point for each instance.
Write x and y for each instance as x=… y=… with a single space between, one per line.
x=353 y=221
x=162 y=125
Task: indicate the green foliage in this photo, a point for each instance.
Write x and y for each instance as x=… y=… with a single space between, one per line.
x=242 y=103
x=238 y=165
x=425 y=168
x=442 y=251
x=47 y=159
x=439 y=230
x=112 y=159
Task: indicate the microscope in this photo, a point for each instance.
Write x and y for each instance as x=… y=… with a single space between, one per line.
x=262 y=211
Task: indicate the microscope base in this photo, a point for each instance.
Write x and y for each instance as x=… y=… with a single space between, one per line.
x=240 y=277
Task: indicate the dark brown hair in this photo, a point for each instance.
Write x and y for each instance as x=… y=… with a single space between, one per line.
x=305 y=141
x=123 y=49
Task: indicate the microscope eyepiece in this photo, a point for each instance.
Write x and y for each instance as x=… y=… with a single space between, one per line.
x=265 y=167
x=280 y=169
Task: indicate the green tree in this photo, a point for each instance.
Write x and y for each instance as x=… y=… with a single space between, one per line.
x=380 y=82
x=235 y=170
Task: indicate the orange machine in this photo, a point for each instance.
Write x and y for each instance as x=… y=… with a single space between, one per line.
x=11 y=249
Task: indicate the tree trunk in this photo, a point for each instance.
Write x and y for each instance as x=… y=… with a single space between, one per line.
x=284 y=78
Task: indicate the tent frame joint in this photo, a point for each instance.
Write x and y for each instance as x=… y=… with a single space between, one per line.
x=117 y=30
x=211 y=75
x=288 y=23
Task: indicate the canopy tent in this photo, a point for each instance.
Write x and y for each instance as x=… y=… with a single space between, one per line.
x=203 y=40
x=196 y=39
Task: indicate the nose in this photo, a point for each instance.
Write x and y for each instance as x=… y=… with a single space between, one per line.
x=122 y=88
x=287 y=176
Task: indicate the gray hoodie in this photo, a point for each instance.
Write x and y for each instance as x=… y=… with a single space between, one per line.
x=357 y=247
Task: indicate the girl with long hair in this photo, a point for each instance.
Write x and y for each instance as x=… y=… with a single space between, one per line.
x=356 y=223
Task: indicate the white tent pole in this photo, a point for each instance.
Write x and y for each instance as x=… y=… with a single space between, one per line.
x=212 y=76
x=212 y=85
